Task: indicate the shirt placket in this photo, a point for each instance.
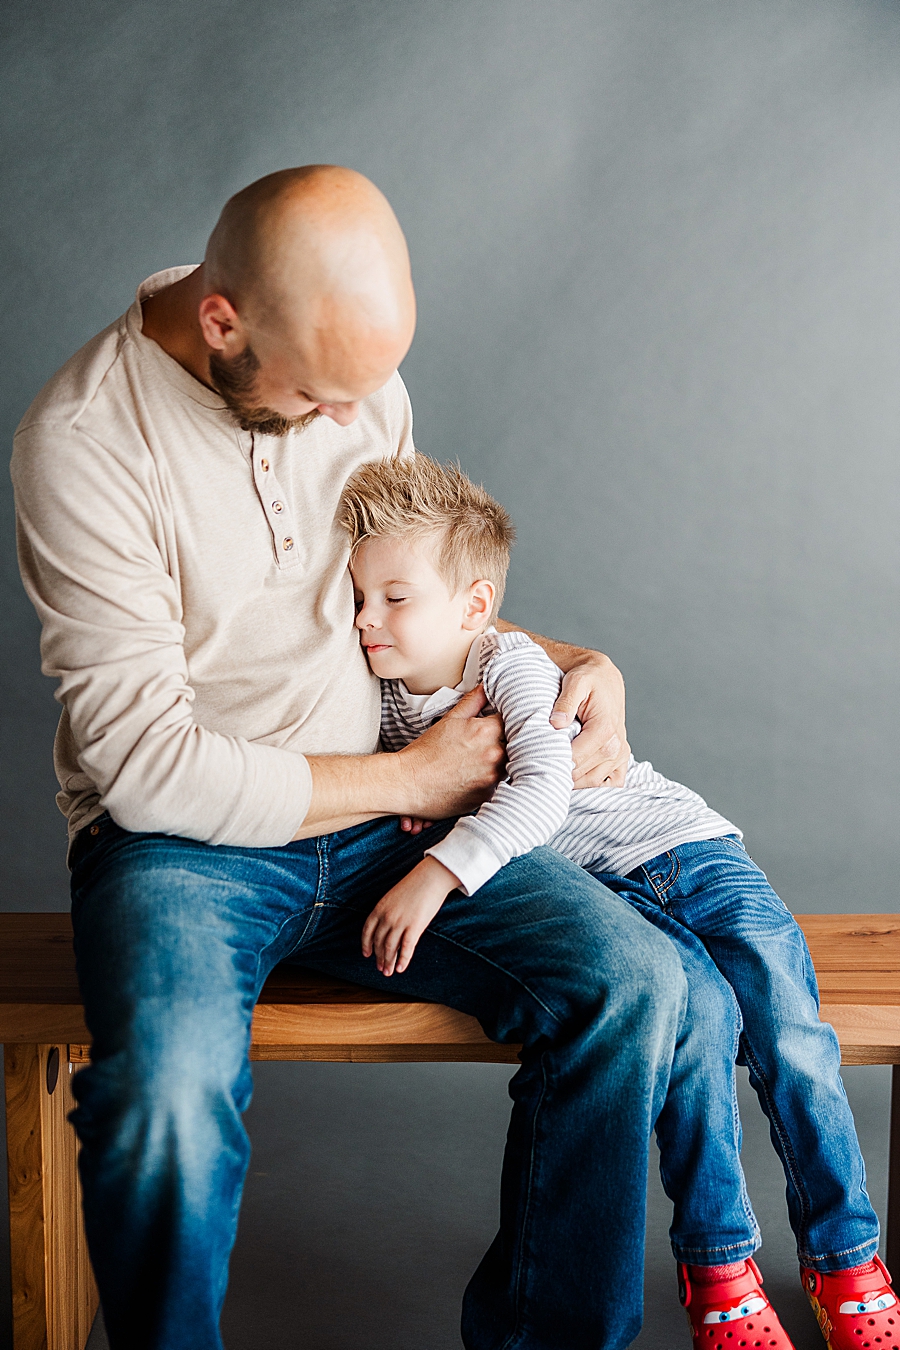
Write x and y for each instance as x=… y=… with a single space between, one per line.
x=275 y=506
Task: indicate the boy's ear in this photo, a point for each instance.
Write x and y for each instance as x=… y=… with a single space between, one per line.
x=479 y=605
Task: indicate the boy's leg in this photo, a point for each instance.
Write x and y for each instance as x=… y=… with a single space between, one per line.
x=173 y=940
x=699 y=1129
x=543 y=955
x=716 y=890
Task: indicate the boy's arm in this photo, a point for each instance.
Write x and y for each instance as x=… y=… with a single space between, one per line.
x=524 y=811
x=529 y=807
x=593 y=689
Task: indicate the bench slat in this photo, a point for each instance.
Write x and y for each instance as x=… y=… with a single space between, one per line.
x=304 y=1015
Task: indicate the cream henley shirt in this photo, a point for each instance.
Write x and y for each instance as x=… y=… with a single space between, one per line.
x=193 y=590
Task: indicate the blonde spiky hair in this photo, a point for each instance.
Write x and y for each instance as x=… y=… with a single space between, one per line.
x=417 y=498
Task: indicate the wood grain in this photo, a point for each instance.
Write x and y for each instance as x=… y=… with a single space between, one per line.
x=24 y=1125
x=54 y=1295
x=304 y=1015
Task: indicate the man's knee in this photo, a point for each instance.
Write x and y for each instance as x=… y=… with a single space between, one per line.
x=633 y=968
x=645 y=959
x=178 y=1079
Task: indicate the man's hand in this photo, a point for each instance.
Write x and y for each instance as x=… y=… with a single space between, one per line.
x=400 y=918
x=456 y=764
x=448 y=771
x=594 y=691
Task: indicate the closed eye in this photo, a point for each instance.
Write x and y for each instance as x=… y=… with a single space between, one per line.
x=396 y=599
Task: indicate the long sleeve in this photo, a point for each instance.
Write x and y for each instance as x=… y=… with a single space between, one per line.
x=522 y=683
x=113 y=637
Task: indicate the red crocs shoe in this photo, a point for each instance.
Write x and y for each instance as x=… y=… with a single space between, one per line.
x=856 y=1309
x=730 y=1313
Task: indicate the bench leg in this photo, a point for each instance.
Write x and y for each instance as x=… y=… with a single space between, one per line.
x=53 y=1292
x=892 y=1241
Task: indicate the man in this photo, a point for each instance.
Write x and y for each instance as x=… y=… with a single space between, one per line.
x=176 y=488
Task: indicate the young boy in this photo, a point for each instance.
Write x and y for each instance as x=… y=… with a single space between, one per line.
x=429 y=555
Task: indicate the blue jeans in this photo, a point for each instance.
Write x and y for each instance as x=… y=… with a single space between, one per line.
x=752 y=996
x=174 y=940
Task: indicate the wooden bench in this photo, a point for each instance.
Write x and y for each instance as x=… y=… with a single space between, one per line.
x=302 y=1016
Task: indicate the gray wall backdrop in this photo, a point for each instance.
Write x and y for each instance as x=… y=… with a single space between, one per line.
x=657 y=254
x=656 y=244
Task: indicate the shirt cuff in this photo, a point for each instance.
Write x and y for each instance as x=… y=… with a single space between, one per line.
x=469 y=859
x=274 y=801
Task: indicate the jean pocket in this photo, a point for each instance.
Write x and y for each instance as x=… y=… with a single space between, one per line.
x=733 y=840
x=88 y=840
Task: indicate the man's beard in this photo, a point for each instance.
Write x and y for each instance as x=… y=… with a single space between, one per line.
x=235 y=380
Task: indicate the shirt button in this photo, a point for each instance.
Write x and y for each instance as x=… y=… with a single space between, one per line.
x=278 y=507
x=264 y=465
x=287 y=544
x=95 y=829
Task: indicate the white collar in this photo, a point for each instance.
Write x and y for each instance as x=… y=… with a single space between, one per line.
x=434 y=705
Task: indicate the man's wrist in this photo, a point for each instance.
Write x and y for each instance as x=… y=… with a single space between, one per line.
x=350 y=789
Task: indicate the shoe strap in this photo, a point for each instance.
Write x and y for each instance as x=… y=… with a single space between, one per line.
x=850 y=1283
x=721 y=1291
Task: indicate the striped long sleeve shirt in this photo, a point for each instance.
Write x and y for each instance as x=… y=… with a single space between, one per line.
x=605 y=829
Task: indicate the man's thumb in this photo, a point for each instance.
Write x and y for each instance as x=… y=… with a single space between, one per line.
x=569 y=701
x=564 y=710
x=471 y=704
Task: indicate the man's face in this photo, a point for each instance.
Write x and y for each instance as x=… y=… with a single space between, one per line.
x=237 y=381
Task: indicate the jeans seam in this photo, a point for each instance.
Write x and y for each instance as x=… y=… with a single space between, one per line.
x=846 y=1251
x=453 y=942
x=790 y=1160
x=314 y=913
x=518 y=1328
x=322 y=880
x=661 y=891
x=729 y=1247
x=745 y=1198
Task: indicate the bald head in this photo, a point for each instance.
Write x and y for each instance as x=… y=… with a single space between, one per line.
x=316 y=267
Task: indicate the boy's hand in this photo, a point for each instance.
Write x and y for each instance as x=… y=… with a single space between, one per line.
x=413 y=825
x=400 y=918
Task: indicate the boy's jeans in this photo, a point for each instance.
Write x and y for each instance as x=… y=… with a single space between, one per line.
x=174 y=940
x=751 y=990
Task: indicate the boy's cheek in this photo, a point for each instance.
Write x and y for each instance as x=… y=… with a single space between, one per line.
x=380 y=665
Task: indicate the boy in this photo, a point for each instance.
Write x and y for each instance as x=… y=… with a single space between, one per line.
x=429 y=555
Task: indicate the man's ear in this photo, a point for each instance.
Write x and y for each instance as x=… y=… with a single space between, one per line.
x=479 y=605
x=221 y=326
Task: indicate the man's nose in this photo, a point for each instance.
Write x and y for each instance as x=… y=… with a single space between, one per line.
x=342 y=413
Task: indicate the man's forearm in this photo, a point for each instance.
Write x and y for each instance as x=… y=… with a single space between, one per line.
x=562 y=654
x=348 y=789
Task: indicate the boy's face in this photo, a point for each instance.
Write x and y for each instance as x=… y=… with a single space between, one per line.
x=410 y=626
